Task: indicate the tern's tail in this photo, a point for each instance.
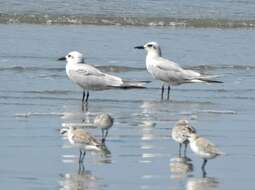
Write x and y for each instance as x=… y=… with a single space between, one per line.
x=134 y=84
x=209 y=79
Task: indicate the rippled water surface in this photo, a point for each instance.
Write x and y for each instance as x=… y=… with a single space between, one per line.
x=196 y=13
x=36 y=98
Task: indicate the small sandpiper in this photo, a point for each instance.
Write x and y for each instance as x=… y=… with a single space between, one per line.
x=180 y=134
x=105 y=122
x=203 y=148
x=83 y=140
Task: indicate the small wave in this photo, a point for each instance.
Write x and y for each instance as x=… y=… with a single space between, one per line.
x=124 y=20
x=17 y=68
x=79 y=125
x=30 y=114
x=104 y=68
x=222 y=66
x=50 y=92
x=218 y=111
x=117 y=69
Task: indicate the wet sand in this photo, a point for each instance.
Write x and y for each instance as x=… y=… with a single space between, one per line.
x=37 y=98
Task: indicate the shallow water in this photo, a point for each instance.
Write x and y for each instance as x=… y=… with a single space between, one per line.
x=37 y=98
x=196 y=13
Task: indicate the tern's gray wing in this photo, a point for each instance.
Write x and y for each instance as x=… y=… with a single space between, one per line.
x=168 y=71
x=90 y=77
x=85 y=70
x=207 y=146
x=167 y=65
x=170 y=66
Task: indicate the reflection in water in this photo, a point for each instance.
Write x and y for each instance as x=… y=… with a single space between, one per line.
x=180 y=167
x=202 y=183
x=81 y=180
x=146 y=141
x=172 y=110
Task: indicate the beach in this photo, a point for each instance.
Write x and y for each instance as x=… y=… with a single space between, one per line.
x=37 y=98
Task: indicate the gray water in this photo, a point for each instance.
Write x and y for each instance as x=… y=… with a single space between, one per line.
x=36 y=98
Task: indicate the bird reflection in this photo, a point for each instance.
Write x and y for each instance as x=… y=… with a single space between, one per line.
x=202 y=183
x=180 y=166
x=81 y=180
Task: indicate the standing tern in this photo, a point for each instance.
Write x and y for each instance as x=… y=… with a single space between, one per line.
x=90 y=78
x=169 y=72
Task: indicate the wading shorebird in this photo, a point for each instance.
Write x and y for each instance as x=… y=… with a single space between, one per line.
x=103 y=121
x=83 y=140
x=180 y=134
x=203 y=148
x=169 y=72
x=90 y=78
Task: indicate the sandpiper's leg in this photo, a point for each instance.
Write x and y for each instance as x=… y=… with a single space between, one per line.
x=102 y=133
x=81 y=168
x=162 y=91
x=102 y=138
x=168 y=92
x=80 y=156
x=106 y=133
x=185 y=149
x=180 y=148
x=203 y=168
x=83 y=156
x=204 y=163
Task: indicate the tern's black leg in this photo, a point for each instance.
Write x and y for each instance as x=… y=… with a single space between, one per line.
x=168 y=92
x=83 y=96
x=87 y=97
x=85 y=101
x=180 y=148
x=162 y=92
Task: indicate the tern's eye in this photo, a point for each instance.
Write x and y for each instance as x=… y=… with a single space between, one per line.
x=150 y=45
x=69 y=56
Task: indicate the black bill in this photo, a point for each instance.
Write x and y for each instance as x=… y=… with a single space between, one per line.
x=139 y=47
x=61 y=59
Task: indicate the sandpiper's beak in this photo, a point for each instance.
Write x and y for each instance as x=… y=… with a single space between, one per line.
x=62 y=59
x=139 y=47
x=63 y=131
